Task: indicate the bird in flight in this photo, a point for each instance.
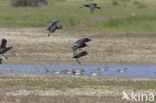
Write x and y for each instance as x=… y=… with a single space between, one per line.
x=3 y=48
x=78 y=46
x=77 y=56
x=83 y=40
x=92 y=7
x=52 y=28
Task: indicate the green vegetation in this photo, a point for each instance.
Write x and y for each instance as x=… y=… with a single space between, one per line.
x=127 y=16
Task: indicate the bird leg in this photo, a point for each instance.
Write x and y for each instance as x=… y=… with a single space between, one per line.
x=73 y=53
x=78 y=61
x=4 y=57
x=49 y=33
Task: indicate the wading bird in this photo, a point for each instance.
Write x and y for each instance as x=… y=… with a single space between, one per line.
x=78 y=46
x=77 y=56
x=92 y=7
x=3 y=48
x=52 y=28
x=83 y=40
x=103 y=69
x=93 y=74
x=122 y=70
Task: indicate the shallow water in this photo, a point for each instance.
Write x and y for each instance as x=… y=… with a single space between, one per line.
x=133 y=71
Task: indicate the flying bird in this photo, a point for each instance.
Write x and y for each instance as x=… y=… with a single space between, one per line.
x=77 y=56
x=52 y=28
x=78 y=46
x=92 y=7
x=3 y=48
x=83 y=40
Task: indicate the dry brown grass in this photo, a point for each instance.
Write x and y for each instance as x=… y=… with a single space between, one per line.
x=69 y=89
x=32 y=45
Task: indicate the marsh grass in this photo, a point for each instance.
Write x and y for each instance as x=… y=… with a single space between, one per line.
x=69 y=89
x=80 y=20
x=42 y=82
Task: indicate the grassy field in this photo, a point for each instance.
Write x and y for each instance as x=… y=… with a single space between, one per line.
x=122 y=34
x=117 y=35
x=65 y=89
x=112 y=19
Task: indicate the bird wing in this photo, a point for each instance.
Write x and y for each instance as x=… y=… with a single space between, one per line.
x=3 y=44
x=86 y=5
x=75 y=47
x=52 y=25
x=94 y=4
x=53 y=28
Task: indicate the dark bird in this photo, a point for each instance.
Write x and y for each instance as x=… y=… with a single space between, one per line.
x=83 y=40
x=79 y=46
x=77 y=56
x=92 y=6
x=52 y=28
x=3 y=48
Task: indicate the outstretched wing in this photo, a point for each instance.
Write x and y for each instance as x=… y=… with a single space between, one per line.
x=3 y=43
x=86 y=5
x=52 y=25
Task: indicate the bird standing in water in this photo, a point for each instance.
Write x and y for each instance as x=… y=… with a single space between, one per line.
x=92 y=7
x=3 y=48
x=52 y=28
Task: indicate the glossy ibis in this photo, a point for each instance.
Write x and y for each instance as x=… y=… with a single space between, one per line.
x=3 y=48
x=78 y=46
x=77 y=56
x=52 y=28
x=83 y=40
x=92 y=6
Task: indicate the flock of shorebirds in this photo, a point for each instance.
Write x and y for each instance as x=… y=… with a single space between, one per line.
x=82 y=71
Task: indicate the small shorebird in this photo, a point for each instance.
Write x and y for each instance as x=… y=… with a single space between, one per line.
x=122 y=70
x=57 y=72
x=67 y=71
x=75 y=72
x=93 y=74
x=103 y=69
